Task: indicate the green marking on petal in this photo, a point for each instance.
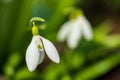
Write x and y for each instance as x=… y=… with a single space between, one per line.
x=40 y=47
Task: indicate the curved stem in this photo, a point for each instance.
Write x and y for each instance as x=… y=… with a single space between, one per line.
x=32 y=20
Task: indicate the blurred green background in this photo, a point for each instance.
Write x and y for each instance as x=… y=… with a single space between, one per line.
x=89 y=61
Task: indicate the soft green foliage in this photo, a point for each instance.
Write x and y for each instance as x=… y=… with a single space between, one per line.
x=89 y=61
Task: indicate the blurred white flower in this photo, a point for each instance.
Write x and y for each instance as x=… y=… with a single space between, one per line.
x=73 y=30
x=36 y=49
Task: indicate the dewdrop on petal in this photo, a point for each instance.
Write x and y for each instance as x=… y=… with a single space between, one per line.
x=38 y=47
x=74 y=29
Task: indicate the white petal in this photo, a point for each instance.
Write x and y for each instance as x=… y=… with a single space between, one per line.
x=62 y=34
x=41 y=58
x=38 y=42
x=32 y=55
x=86 y=29
x=74 y=35
x=51 y=51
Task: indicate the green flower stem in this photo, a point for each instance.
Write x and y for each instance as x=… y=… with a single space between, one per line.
x=35 y=30
x=99 y=68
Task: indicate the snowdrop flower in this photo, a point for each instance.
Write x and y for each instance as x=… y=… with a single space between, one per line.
x=37 y=49
x=73 y=30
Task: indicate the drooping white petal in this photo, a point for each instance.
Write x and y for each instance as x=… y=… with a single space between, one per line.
x=74 y=35
x=63 y=32
x=39 y=44
x=41 y=57
x=86 y=29
x=32 y=55
x=51 y=51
